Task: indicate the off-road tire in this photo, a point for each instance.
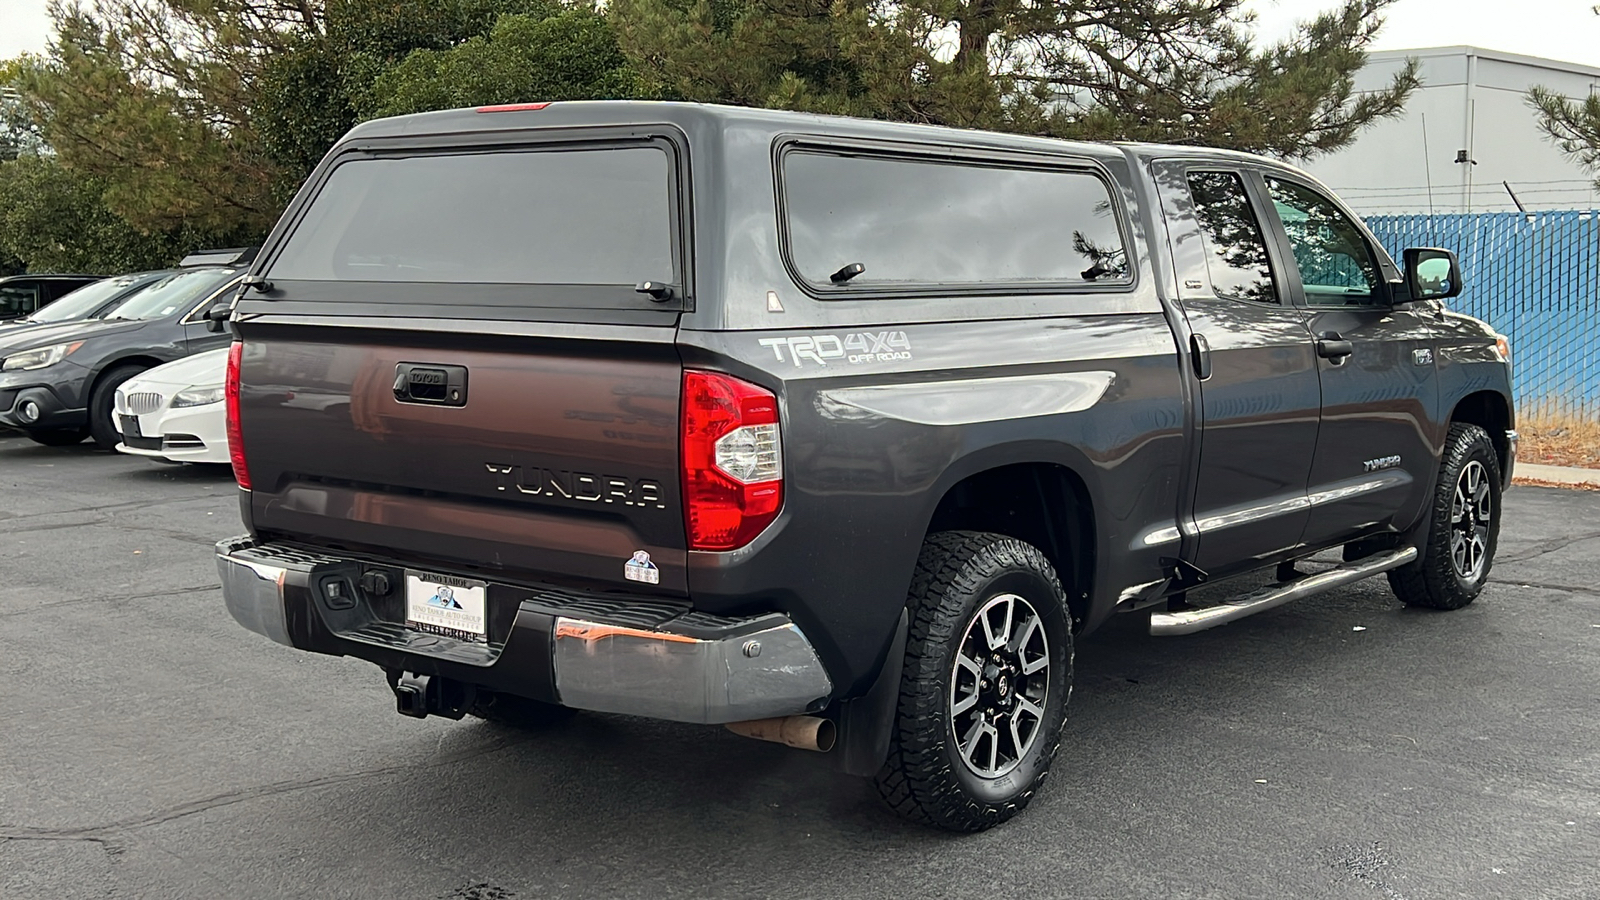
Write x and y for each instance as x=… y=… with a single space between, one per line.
x=1433 y=581
x=102 y=406
x=58 y=437
x=925 y=778
x=517 y=712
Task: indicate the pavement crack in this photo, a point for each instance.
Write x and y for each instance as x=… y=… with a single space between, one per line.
x=131 y=504
x=1567 y=588
x=111 y=846
x=106 y=833
x=60 y=526
x=29 y=834
x=148 y=595
x=1543 y=547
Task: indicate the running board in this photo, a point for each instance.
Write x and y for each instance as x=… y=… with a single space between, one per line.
x=1189 y=621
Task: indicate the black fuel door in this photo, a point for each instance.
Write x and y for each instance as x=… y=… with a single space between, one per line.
x=430 y=384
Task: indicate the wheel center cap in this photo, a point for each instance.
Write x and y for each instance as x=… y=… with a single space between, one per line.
x=1003 y=686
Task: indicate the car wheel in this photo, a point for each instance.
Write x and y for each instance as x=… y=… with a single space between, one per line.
x=1464 y=529
x=102 y=406
x=984 y=689
x=58 y=437
x=517 y=712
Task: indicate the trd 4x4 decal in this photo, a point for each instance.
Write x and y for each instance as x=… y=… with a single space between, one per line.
x=854 y=348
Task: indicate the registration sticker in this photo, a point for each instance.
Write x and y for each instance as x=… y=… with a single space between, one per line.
x=640 y=568
x=443 y=604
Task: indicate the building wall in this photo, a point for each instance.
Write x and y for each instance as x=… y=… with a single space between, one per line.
x=1474 y=100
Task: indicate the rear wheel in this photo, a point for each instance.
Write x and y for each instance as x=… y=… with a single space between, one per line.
x=102 y=406
x=58 y=437
x=1465 y=527
x=983 y=695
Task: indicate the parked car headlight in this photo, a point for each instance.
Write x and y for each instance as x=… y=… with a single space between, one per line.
x=40 y=358
x=200 y=395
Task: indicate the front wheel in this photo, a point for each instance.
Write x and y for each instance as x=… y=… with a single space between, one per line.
x=983 y=694
x=1465 y=526
x=102 y=406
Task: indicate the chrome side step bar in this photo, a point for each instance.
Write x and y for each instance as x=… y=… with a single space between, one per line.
x=1189 y=621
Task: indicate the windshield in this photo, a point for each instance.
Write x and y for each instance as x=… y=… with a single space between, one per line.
x=172 y=295
x=86 y=301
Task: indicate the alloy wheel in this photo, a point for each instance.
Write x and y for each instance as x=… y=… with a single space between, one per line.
x=999 y=685
x=1471 y=514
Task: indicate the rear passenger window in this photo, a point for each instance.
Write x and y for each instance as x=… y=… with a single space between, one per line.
x=911 y=223
x=18 y=301
x=1236 y=252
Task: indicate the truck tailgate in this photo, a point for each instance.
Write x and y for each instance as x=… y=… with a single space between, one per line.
x=557 y=460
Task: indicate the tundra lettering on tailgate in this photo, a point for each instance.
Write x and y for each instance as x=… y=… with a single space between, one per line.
x=581 y=487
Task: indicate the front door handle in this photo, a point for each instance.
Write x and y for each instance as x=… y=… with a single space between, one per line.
x=1330 y=345
x=1200 y=355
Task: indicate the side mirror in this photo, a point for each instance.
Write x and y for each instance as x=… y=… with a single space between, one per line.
x=1432 y=273
x=217 y=316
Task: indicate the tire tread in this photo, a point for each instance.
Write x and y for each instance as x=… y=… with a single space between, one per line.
x=1431 y=582
x=915 y=782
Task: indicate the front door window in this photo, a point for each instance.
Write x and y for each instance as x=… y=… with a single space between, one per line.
x=1336 y=265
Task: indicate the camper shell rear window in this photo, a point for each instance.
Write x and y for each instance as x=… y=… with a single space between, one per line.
x=557 y=225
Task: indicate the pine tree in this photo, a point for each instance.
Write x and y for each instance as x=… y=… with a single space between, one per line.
x=1182 y=71
x=194 y=121
x=1572 y=125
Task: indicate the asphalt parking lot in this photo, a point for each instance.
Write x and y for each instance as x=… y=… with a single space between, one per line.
x=150 y=747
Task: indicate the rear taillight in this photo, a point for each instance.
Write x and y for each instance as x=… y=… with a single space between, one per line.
x=231 y=391
x=732 y=460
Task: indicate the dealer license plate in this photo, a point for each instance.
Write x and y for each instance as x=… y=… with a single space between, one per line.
x=443 y=604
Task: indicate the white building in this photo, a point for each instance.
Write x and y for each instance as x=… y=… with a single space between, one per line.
x=1472 y=105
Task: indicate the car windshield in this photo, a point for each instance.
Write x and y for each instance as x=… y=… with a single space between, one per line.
x=86 y=301
x=171 y=295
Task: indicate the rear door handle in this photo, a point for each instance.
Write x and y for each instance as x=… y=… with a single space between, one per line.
x=1330 y=345
x=1200 y=355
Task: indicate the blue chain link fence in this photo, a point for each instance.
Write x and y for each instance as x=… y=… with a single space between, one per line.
x=1536 y=278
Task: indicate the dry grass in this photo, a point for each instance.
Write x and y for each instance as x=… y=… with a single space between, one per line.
x=1554 y=438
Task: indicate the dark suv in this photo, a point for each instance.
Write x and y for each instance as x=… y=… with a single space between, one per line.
x=58 y=382
x=23 y=295
x=88 y=302
x=837 y=432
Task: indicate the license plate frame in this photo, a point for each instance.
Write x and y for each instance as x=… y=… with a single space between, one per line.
x=448 y=606
x=130 y=426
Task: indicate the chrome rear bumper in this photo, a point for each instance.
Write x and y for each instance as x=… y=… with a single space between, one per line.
x=680 y=665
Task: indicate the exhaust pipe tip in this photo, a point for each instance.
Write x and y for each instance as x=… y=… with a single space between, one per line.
x=812 y=733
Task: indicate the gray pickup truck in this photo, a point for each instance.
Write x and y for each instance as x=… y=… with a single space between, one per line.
x=838 y=433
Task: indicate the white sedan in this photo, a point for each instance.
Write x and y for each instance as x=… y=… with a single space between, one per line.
x=175 y=412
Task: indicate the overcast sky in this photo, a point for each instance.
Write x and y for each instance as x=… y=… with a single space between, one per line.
x=1557 y=29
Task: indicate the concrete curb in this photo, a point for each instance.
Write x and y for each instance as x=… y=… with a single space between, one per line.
x=1556 y=474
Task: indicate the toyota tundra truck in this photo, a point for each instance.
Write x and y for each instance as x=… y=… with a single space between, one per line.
x=838 y=433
